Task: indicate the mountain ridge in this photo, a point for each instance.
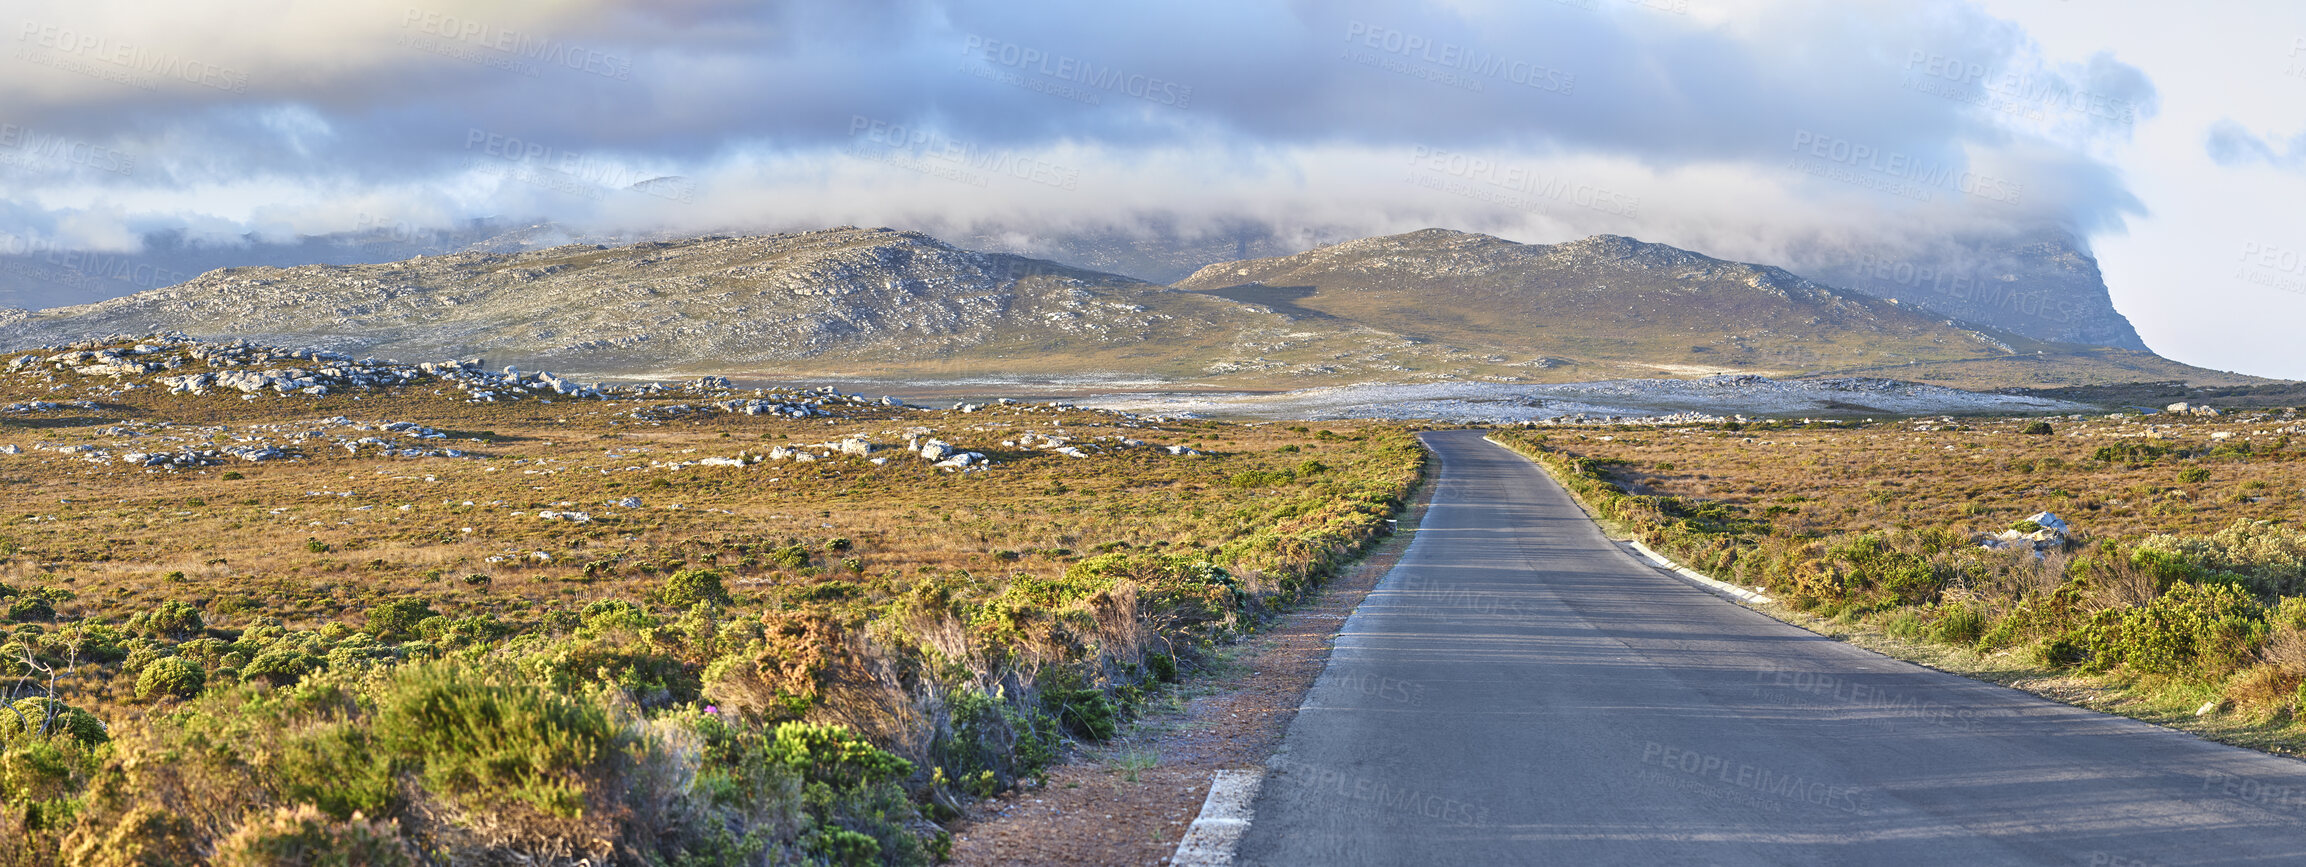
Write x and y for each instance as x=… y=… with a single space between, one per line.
x=1436 y=304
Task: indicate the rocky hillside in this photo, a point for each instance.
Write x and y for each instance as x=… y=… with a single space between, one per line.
x=1610 y=301
x=842 y=301
x=1157 y=252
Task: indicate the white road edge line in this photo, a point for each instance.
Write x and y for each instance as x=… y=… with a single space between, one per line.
x=1741 y=594
x=1224 y=818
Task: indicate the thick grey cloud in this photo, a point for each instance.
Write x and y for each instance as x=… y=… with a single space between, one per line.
x=1791 y=116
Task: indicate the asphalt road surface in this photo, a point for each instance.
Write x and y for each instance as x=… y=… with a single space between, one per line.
x=1519 y=690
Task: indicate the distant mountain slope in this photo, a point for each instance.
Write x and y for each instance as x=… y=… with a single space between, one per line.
x=1602 y=298
x=36 y=276
x=841 y=300
x=1430 y=305
x=1610 y=299
x=1159 y=253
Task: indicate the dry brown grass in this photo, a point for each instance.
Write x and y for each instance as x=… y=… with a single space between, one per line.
x=286 y=543
x=1977 y=475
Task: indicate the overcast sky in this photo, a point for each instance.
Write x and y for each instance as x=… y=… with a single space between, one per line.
x=2174 y=140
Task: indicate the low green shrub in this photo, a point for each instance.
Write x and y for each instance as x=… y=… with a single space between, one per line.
x=37 y=718
x=792 y=556
x=1260 y=478
x=689 y=588
x=280 y=666
x=609 y=614
x=2204 y=630
x=1960 y=625
x=174 y=677
x=398 y=618
x=334 y=763
x=491 y=742
x=29 y=609
x=2270 y=558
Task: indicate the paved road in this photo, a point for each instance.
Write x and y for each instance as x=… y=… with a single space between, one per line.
x=1521 y=691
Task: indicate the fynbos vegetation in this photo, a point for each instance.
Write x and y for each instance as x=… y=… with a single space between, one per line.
x=607 y=631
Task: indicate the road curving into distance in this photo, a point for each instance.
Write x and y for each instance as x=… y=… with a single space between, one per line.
x=1519 y=690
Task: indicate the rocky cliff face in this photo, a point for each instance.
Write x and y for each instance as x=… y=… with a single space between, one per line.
x=2043 y=285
